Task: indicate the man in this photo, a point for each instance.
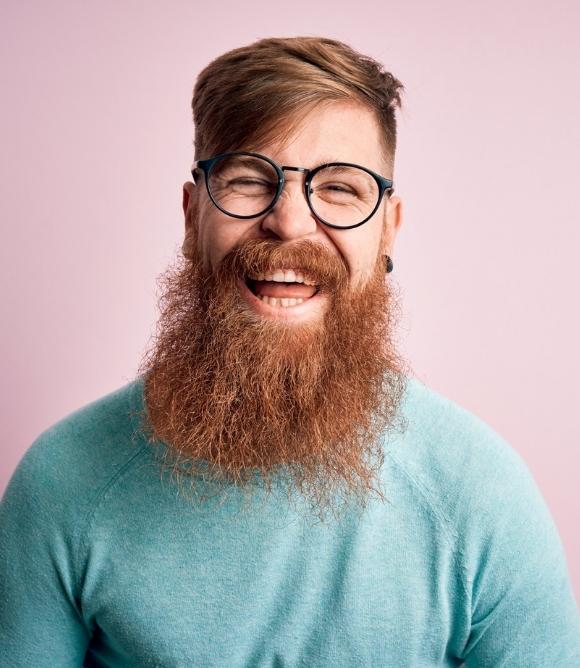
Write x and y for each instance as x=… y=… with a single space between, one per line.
x=274 y=489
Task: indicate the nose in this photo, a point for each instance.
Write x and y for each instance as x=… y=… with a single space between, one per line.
x=291 y=217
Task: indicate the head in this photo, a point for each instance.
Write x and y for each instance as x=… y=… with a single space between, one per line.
x=275 y=355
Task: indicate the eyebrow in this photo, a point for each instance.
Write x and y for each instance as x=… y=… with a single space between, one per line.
x=330 y=158
x=259 y=165
x=324 y=160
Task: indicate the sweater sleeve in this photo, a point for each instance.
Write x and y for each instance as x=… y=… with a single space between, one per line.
x=523 y=609
x=40 y=619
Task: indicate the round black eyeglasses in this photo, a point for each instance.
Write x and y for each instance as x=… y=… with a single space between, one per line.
x=247 y=185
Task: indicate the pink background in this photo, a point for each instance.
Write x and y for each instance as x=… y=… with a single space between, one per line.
x=96 y=143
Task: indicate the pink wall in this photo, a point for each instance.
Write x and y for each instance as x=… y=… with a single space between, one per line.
x=97 y=142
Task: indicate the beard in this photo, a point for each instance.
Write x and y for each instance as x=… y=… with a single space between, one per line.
x=240 y=399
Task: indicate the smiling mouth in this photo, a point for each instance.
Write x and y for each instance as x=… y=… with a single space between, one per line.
x=283 y=288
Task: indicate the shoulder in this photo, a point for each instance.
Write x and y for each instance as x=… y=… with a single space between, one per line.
x=444 y=442
x=509 y=555
x=77 y=456
x=464 y=468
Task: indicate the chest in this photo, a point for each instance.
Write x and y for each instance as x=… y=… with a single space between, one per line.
x=267 y=593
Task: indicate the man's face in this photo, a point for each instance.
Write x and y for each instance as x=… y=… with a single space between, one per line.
x=246 y=385
x=342 y=132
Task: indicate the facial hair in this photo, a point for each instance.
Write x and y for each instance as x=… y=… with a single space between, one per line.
x=238 y=398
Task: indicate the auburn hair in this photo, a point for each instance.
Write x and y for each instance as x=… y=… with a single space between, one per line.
x=257 y=94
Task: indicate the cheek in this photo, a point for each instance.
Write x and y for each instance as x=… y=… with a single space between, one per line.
x=360 y=251
x=217 y=236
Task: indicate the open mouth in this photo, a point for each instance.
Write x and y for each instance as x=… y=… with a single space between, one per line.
x=283 y=288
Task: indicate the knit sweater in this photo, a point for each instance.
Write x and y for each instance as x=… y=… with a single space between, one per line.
x=103 y=562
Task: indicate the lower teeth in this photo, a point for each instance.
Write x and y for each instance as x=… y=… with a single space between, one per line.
x=284 y=302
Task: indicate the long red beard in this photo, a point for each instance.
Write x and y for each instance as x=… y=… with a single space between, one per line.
x=236 y=397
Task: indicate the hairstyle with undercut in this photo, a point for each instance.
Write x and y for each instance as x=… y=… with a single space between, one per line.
x=258 y=93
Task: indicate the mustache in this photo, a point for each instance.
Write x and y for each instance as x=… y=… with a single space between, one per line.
x=263 y=256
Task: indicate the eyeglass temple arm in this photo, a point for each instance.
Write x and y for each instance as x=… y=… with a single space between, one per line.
x=388 y=185
x=196 y=171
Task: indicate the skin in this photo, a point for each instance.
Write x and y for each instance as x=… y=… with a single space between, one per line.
x=337 y=131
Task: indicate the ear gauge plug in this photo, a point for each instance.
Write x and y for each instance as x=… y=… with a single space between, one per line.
x=388 y=264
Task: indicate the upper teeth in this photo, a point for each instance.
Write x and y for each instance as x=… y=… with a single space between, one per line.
x=284 y=276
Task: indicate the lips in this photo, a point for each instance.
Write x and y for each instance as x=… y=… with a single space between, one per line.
x=285 y=309
x=281 y=290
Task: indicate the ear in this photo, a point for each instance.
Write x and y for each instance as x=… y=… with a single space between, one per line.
x=393 y=221
x=189 y=203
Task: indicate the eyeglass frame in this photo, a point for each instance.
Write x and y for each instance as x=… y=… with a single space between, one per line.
x=384 y=184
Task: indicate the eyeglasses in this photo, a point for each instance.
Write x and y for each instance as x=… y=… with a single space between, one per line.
x=247 y=185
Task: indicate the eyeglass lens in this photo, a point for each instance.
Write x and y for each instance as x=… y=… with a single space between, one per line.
x=246 y=186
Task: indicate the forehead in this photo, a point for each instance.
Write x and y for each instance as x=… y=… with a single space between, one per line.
x=333 y=132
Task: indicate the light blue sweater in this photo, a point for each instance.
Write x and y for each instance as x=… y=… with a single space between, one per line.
x=102 y=563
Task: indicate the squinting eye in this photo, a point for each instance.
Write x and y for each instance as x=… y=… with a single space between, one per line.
x=246 y=182
x=339 y=187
